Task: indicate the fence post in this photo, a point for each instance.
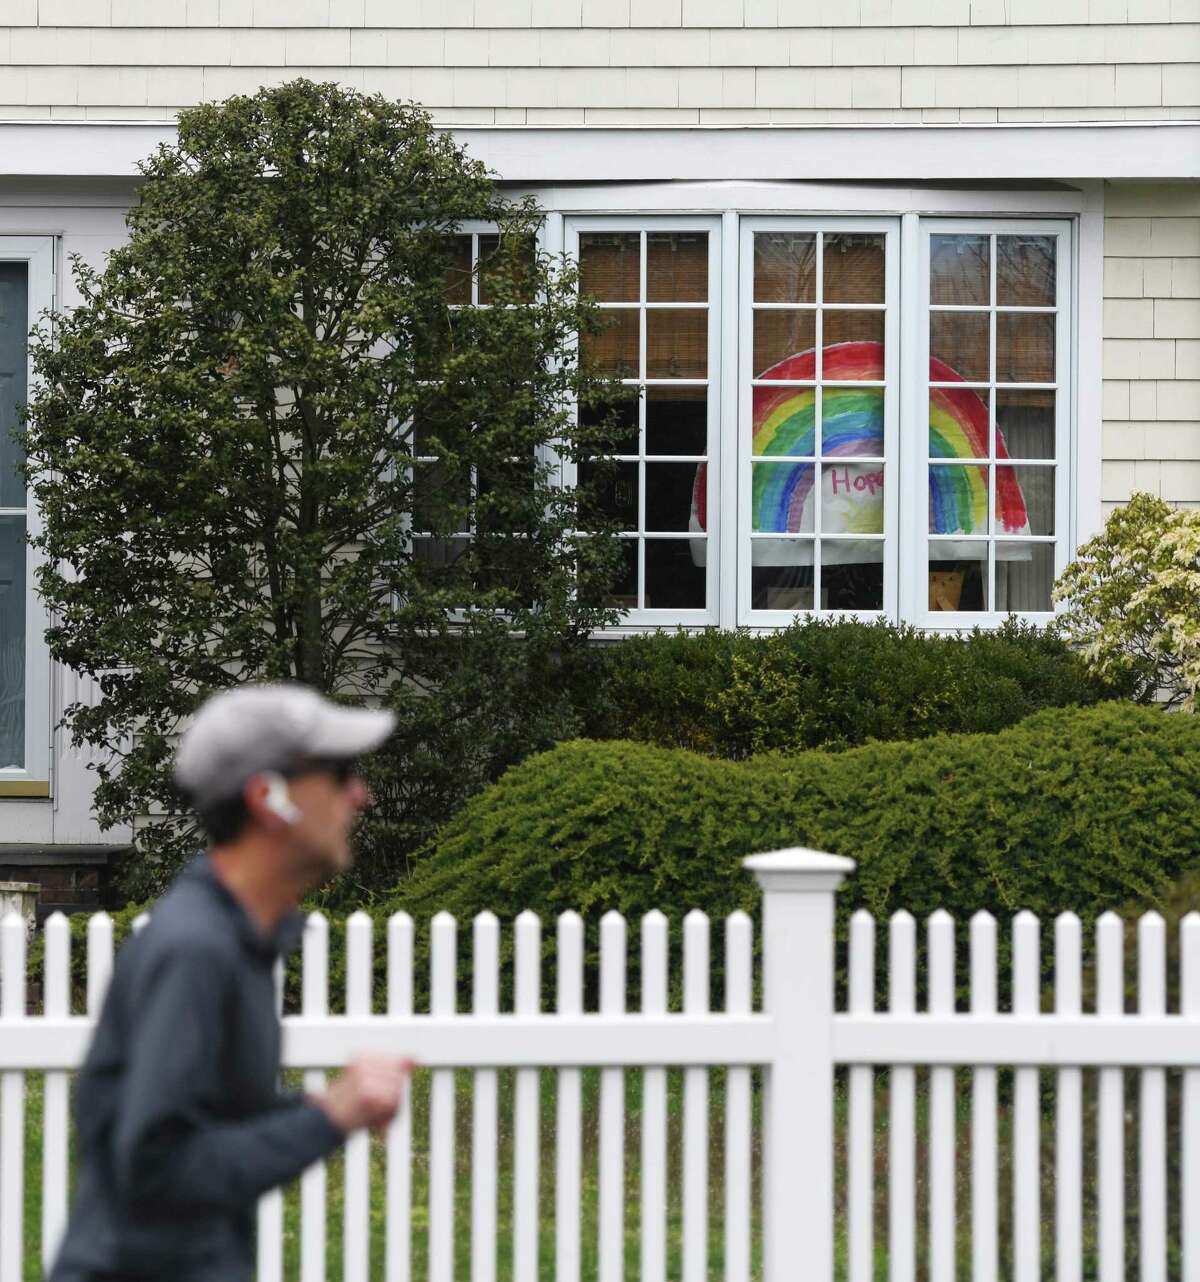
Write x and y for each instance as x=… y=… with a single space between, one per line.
x=798 y=888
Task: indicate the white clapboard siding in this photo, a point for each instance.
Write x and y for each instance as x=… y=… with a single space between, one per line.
x=796 y=1040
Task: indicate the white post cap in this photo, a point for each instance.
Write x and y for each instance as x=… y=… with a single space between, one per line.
x=798 y=869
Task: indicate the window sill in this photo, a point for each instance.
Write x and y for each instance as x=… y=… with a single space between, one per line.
x=24 y=788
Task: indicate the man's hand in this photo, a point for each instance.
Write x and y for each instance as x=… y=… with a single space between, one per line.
x=369 y=1092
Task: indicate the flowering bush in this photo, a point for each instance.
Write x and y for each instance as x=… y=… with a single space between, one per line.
x=1133 y=600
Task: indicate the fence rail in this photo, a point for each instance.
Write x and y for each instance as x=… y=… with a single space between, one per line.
x=797 y=1039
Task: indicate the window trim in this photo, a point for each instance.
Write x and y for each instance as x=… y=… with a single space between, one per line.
x=34 y=779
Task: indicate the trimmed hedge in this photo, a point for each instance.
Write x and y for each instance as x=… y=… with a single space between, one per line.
x=832 y=684
x=1082 y=809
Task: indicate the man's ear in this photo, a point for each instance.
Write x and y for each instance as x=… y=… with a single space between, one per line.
x=269 y=791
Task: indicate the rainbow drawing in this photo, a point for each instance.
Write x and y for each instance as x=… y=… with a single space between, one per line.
x=852 y=428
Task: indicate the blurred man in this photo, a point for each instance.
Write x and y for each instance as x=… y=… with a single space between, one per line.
x=181 y=1126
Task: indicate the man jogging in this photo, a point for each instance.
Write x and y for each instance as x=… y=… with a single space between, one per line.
x=181 y=1126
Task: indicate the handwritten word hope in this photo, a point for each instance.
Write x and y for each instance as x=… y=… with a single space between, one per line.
x=861 y=482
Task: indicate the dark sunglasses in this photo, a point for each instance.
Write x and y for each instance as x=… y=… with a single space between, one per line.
x=343 y=769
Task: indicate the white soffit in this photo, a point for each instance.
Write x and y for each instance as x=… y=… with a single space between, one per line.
x=535 y=154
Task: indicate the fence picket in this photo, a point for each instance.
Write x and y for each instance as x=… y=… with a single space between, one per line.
x=984 y=1209
x=99 y=961
x=356 y=1233
x=1152 y=1110
x=695 y=1106
x=941 y=1106
x=860 y=1144
x=1026 y=1113
x=612 y=1108
x=654 y=1107
x=568 y=1110
x=739 y=974
x=55 y=1092
x=485 y=1000
x=12 y=1104
x=1189 y=1192
x=525 y=1123
x=902 y=1199
x=270 y=1205
x=1068 y=1180
x=398 y=1220
x=315 y=1004
x=441 y=1108
x=1110 y=983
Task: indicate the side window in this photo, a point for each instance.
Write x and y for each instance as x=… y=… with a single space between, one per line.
x=657 y=285
x=996 y=403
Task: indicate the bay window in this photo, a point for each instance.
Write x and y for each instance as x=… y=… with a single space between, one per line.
x=899 y=445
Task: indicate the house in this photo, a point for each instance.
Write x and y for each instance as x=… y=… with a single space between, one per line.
x=913 y=286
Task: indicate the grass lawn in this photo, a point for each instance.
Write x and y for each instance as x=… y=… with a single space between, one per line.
x=588 y=1208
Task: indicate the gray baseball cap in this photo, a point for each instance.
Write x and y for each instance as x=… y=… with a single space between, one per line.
x=254 y=728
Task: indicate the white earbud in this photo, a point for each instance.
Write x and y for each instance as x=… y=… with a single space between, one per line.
x=278 y=801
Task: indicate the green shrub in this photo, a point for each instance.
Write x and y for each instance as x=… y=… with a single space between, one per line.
x=1081 y=809
x=833 y=684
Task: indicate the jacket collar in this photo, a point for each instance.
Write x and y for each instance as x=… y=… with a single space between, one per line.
x=279 y=943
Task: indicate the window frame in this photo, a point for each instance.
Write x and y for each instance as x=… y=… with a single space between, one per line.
x=34 y=778
x=643 y=619
x=914 y=535
x=741 y=440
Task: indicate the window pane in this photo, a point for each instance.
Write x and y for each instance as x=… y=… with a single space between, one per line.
x=1025 y=347
x=852 y=498
x=674 y=578
x=14 y=333
x=676 y=420
x=458 y=273
x=619 y=421
x=612 y=493
x=851 y=327
x=852 y=269
x=440 y=558
x=958 y=343
x=441 y=499
x=779 y=335
x=958 y=499
x=677 y=267
x=1024 y=576
x=610 y=266
x=676 y=344
x=782 y=499
x=670 y=495
x=958 y=423
x=851 y=574
x=785 y=421
x=624 y=591
x=614 y=351
x=958 y=575
x=781 y=577
x=959 y=270
x=1025 y=500
x=1026 y=269
x=785 y=267
x=12 y=641
x=522 y=266
x=851 y=421
x=1025 y=424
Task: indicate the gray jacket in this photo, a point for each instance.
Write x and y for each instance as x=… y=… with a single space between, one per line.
x=180 y=1123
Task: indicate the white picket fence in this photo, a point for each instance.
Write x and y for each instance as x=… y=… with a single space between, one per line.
x=797 y=1038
